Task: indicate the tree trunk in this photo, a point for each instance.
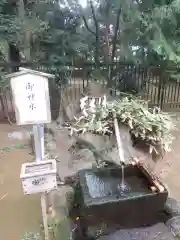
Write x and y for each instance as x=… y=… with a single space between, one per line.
x=107 y=46
x=4 y=108
x=28 y=35
x=2 y=104
x=97 y=46
x=110 y=69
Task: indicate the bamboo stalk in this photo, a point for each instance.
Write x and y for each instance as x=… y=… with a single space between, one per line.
x=118 y=139
x=153 y=179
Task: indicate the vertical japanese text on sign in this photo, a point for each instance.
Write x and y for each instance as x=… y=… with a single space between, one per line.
x=31 y=95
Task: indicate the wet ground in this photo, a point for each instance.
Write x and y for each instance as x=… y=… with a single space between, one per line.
x=18 y=213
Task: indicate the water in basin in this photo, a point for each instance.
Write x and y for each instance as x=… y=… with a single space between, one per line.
x=105 y=185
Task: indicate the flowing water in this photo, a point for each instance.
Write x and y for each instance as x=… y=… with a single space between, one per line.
x=123 y=186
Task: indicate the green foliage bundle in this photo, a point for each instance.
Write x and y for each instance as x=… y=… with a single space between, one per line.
x=31 y=236
x=150 y=125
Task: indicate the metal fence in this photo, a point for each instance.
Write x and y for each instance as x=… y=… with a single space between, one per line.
x=71 y=82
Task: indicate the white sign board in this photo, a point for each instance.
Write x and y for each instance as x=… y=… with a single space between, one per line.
x=31 y=98
x=39 y=177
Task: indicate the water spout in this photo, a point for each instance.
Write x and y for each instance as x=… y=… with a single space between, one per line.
x=119 y=142
x=120 y=153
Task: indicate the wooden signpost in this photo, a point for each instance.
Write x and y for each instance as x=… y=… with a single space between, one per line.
x=31 y=97
x=32 y=106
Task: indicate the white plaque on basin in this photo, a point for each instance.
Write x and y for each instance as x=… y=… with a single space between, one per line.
x=39 y=177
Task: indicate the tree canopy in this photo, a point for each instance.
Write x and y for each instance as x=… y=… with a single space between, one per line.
x=58 y=33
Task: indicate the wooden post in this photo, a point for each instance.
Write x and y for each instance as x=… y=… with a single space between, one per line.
x=32 y=107
x=39 y=150
x=41 y=134
x=37 y=146
x=44 y=215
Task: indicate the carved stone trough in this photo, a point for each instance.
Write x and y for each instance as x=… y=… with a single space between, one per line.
x=102 y=200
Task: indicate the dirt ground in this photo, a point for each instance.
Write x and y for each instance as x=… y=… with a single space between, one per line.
x=18 y=213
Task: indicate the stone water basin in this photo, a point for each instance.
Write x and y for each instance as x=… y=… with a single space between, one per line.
x=158 y=231
x=102 y=197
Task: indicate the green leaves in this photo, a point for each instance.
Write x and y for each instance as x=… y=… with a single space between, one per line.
x=162 y=35
x=15 y=146
x=31 y=236
x=150 y=125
